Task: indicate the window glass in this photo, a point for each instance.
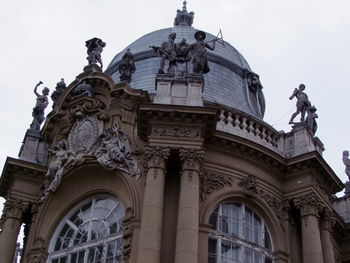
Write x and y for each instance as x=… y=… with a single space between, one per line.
x=90 y=233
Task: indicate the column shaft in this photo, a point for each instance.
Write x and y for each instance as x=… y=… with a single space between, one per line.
x=312 y=250
x=152 y=211
x=326 y=237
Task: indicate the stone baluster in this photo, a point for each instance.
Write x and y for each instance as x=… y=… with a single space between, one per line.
x=310 y=206
x=263 y=133
x=152 y=210
x=250 y=126
x=257 y=130
x=244 y=124
x=188 y=214
x=236 y=121
x=326 y=225
x=11 y=222
x=230 y=120
x=221 y=123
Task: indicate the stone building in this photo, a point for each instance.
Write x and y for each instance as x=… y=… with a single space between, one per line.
x=136 y=165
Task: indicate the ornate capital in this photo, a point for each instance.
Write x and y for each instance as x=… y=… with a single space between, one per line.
x=327 y=220
x=191 y=161
x=155 y=156
x=309 y=204
x=13 y=208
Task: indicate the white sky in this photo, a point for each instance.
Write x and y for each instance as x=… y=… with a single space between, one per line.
x=286 y=42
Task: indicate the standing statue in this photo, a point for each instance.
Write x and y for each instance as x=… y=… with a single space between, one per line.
x=346 y=162
x=183 y=51
x=54 y=173
x=199 y=53
x=311 y=119
x=60 y=87
x=127 y=66
x=303 y=103
x=167 y=51
x=94 y=49
x=41 y=104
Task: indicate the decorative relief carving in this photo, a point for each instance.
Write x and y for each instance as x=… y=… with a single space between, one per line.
x=191 y=161
x=181 y=132
x=327 y=220
x=37 y=253
x=128 y=232
x=115 y=153
x=155 y=157
x=249 y=185
x=212 y=182
x=84 y=134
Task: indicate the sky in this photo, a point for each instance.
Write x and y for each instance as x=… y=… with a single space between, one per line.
x=287 y=42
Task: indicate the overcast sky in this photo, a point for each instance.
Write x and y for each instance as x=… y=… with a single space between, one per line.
x=287 y=42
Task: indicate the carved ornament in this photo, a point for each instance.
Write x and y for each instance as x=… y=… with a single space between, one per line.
x=249 y=185
x=37 y=253
x=212 y=182
x=181 y=132
x=155 y=158
x=13 y=208
x=309 y=205
x=191 y=161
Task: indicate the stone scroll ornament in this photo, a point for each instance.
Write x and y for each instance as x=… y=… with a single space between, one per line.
x=115 y=153
x=40 y=106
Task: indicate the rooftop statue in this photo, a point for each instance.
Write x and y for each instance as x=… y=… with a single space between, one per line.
x=256 y=96
x=167 y=51
x=127 y=66
x=38 y=111
x=346 y=162
x=183 y=51
x=311 y=119
x=83 y=88
x=183 y=18
x=60 y=87
x=302 y=103
x=94 y=49
x=199 y=53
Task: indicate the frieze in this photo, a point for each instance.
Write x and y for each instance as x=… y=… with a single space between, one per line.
x=212 y=182
x=180 y=132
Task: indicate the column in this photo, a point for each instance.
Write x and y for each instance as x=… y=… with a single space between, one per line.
x=152 y=209
x=327 y=222
x=11 y=221
x=310 y=206
x=188 y=213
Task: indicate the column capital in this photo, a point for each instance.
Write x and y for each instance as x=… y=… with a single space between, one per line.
x=327 y=220
x=191 y=161
x=309 y=204
x=13 y=208
x=156 y=155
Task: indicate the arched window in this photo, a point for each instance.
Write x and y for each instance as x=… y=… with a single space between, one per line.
x=91 y=232
x=238 y=235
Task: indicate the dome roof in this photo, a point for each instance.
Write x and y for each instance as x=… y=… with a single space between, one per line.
x=225 y=84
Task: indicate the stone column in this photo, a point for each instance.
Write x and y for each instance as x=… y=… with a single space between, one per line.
x=152 y=210
x=327 y=222
x=188 y=213
x=11 y=221
x=310 y=206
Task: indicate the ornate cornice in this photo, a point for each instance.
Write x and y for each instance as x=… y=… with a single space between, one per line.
x=212 y=182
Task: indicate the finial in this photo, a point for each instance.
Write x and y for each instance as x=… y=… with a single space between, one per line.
x=183 y=18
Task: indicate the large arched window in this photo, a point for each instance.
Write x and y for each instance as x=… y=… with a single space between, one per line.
x=238 y=235
x=91 y=232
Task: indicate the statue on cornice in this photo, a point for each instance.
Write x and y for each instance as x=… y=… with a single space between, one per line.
x=167 y=51
x=40 y=106
x=127 y=66
x=94 y=49
x=56 y=94
x=303 y=103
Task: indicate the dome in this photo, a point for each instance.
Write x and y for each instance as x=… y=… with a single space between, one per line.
x=225 y=84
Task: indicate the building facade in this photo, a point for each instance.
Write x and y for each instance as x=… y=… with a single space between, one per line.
x=159 y=160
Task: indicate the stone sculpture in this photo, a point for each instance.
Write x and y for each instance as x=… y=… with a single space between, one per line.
x=256 y=96
x=183 y=18
x=311 y=119
x=54 y=173
x=346 y=162
x=183 y=51
x=84 y=89
x=38 y=111
x=167 y=51
x=115 y=153
x=127 y=66
x=94 y=49
x=56 y=94
x=303 y=103
x=199 y=53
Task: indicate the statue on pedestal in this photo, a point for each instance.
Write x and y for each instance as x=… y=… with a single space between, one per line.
x=94 y=49
x=167 y=51
x=127 y=66
x=40 y=106
x=199 y=53
x=302 y=103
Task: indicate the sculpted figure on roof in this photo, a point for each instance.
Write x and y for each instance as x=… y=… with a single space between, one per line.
x=199 y=53
x=346 y=162
x=94 y=49
x=302 y=103
x=167 y=51
x=40 y=106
